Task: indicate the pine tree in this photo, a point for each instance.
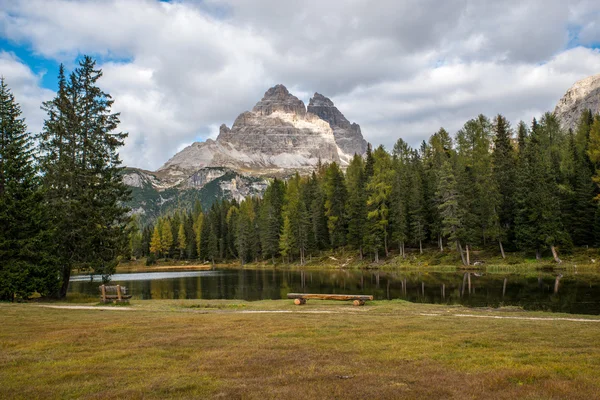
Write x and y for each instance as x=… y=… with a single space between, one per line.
x=198 y=229
x=416 y=203
x=317 y=217
x=271 y=219
x=379 y=188
x=399 y=198
x=504 y=176
x=245 y=231
x=335 y=204
x=450 y=212
x=26 y=265
x=83 y=174
x=286 y=243
x=538 y=219
x=356 y=204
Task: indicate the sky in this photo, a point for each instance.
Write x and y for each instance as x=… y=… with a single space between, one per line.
x=179 y=69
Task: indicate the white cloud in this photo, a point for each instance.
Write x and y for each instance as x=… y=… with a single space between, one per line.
x=399 y=68
x=25 y=85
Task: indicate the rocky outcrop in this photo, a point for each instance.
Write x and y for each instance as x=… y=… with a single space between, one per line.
x=583 y=95
x=278 y=98
x=278 y=136
x=348 y=137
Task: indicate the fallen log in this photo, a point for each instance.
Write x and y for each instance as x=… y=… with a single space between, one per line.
x=300 y=298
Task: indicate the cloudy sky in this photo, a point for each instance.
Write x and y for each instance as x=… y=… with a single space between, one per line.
x=400 y=68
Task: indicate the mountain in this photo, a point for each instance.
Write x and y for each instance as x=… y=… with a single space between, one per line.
x=277 y=138
x=583 y=95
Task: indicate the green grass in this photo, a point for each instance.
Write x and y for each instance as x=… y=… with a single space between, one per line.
x=225 y=349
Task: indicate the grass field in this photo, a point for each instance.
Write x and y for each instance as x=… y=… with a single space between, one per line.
x=272 y=349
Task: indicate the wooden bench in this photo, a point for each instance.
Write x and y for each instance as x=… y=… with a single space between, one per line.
x=300 y=298
x=117 y=294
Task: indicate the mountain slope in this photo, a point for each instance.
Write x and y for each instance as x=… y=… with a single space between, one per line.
x=583 y=95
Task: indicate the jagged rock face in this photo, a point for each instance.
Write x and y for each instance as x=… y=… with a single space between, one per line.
x=278 y=98
x=203 y=176
x=583 y=95
x=348 y=136
x=277 y=135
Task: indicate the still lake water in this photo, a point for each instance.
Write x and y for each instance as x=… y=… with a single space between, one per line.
x=557 y=291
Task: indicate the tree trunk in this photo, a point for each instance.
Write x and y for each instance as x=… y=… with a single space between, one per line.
x=385 y=245
x=468 y=255
x=538 y=255
x=460 y=250
x=377 y=256
x=420 y=246
x=555 y=254
x=441 y=243
x=66 y=275
x=501 y=248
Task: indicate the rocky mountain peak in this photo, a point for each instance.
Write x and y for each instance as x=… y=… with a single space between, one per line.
x=278 y=98
x=583 y=95
x=318 y=100
x=348 y=136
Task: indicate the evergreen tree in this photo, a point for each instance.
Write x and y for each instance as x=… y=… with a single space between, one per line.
x=26 y=263
x=245 y=231
x=82 y=174
x=379 y=188
x=335 y=203
x=416 y=203
x=399 y=198
x=271 y=219
x=538 y=219
x=198 y=228
x=356 y=204
x=317 y=217
x=504 y=176
x=450 y=212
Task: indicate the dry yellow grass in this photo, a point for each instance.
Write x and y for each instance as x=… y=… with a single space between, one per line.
x=272 y=349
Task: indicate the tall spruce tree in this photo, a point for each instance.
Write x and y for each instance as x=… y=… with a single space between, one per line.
x=335 y=204
x=356 y=204
x=82 y=174
x=26 y=264
x=379 y=188
x=271 y=220
x=451 y=213
x=504 y=175
x=399 y=198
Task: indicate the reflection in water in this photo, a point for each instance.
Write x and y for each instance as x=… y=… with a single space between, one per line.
x=569 y=293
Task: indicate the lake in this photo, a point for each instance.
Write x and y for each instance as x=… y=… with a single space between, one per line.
x=557 y=291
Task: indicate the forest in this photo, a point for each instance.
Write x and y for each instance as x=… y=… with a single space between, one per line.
x=533 y=189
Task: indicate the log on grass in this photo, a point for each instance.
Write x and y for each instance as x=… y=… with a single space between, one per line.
x=309 y=296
